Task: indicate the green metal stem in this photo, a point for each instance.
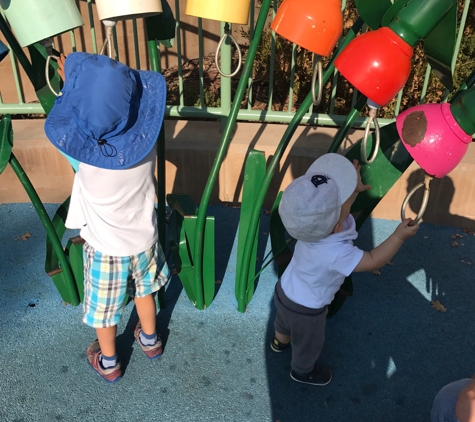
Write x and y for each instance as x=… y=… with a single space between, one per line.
x=274 y=164
x=41 y=211
x=221 y=153
x=161 y=189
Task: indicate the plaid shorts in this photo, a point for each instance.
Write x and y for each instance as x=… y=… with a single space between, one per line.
x=108 y=279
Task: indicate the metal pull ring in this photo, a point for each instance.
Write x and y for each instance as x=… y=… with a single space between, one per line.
x=48 y=59
x=317 y=71
x=227 y=33
x=372 y=118
x=425 y=199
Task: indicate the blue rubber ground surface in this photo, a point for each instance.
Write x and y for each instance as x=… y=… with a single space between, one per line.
x=389 y=350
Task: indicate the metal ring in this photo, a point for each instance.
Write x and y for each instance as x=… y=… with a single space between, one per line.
x=425 y=200
x=227 y=33
x=47 y=77
x=365 y=140
x=318 y=70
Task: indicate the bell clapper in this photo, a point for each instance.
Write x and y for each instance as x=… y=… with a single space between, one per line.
x=425 y=199
x=227 y=33
x=373 y=109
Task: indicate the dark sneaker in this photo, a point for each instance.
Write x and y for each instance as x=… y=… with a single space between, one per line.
x=152 y=352
x=319 y=376
x=278 y=347
x=94 y=358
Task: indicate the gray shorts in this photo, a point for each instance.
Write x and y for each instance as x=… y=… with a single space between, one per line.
x=305 y=326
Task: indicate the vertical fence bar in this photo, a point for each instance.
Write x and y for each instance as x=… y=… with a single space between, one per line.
x=272 y=61
x=251 y=33
x=225 y=61
x=292 y=77
x=200 y=62
x=91 y=24
x=178 y=53
x=136 y=44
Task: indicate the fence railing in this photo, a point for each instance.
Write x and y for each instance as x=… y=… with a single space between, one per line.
x=128 y=51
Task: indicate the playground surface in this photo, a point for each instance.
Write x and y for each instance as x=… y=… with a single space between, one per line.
x=389 y=349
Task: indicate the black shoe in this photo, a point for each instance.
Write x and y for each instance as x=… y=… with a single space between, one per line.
x=278 y=347
x=318 y=376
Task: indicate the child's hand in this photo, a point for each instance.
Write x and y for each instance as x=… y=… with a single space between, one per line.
x=61 y=59
x=360 y=187
x=405 y=230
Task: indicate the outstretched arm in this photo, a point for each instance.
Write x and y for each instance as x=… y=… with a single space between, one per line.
x=385 y=251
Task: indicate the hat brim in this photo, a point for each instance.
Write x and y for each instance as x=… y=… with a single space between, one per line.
x=340 y=168
x=135 y=144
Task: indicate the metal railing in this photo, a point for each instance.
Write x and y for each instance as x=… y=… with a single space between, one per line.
x=246 y=113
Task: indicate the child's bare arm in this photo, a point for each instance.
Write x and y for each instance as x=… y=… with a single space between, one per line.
x=385 y=251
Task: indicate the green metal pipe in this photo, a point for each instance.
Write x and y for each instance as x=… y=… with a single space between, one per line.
x=156 y=66
x=48 y=225
x=419 y=17
x=221 y=153
x=251 y=233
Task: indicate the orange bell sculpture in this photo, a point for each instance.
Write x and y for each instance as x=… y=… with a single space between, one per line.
x=314 y=25
x=376 y=63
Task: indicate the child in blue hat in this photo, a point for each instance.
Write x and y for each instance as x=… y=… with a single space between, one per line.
x=108 y=118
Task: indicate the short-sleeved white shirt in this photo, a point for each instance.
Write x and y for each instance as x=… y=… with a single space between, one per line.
x=317 y=270
x=115 y=209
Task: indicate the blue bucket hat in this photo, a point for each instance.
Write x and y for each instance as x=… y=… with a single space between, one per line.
x=107 y=115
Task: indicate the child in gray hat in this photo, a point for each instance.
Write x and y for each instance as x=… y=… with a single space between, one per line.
x=315 y=210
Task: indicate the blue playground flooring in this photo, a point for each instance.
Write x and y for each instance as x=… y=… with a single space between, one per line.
x=389 y=349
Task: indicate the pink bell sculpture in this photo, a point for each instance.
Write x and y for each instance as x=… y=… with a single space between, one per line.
x=437 y=136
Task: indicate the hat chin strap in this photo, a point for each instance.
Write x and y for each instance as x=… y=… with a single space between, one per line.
x=109 y=33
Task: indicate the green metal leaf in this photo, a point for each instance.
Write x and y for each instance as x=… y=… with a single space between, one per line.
x=6 y=141
x=372 y=12
x=439 y=47
x=74 y=252
x=254 y=172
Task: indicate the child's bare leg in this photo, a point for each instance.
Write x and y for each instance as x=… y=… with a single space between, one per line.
x=281 y=337
x=147 y=312
x=106 y=337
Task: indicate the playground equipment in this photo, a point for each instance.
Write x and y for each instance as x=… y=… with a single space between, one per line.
x=437 y=136
x=316 y=27
x=110 y=12
x=191 y=231
x=229 y=12
x=383 y=56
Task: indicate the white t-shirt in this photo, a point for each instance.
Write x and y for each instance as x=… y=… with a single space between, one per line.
x=115 y=209
x=317 y=270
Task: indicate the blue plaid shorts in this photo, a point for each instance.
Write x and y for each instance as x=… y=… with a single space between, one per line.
x=108 y=279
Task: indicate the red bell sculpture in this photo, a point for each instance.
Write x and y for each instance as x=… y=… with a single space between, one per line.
x=314 y=25
x=437 y=136
x=377 y=64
